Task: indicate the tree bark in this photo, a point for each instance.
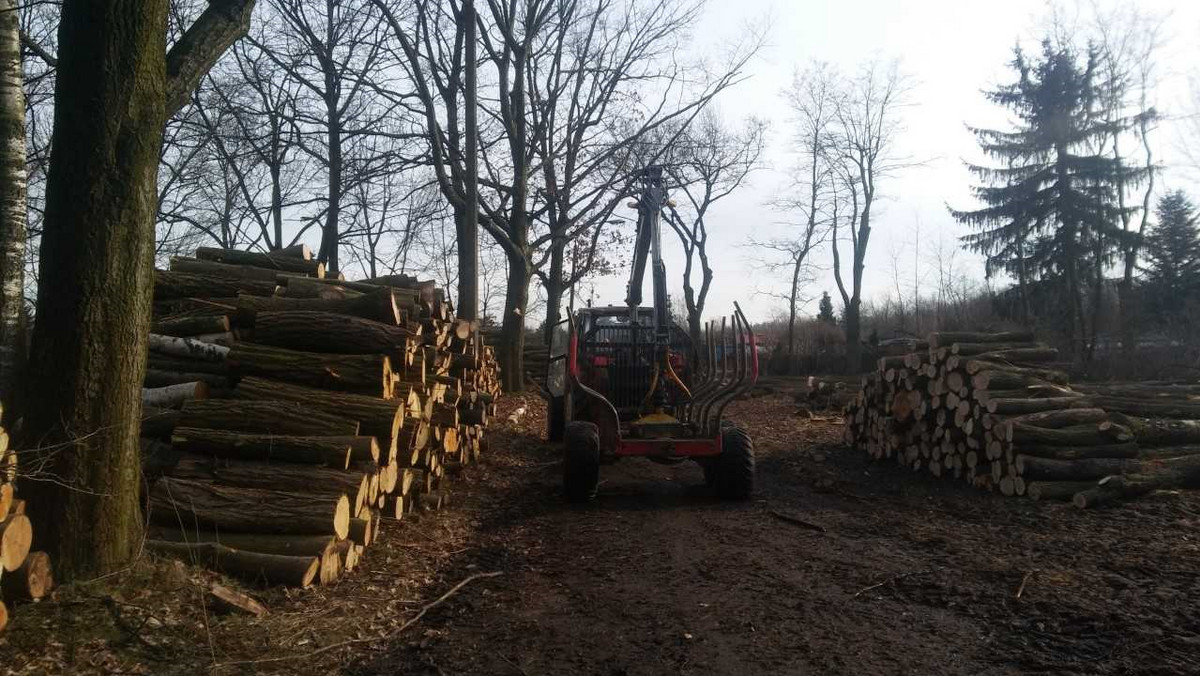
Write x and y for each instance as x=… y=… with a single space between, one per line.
x=512 y=338
x=334 y=452
x=554 y=295
x=1102 y=449
x=1056 y=490
x=363 y=374
x=1078 y=435
x=468 y=226
x=265 y=417
x=973 y=367
x=948 y=338
x=226 y=600
x=278 y=476
x=157 y=423
x=13 y=197
x=175 y=285
x=1168 y=474
x=156 y=378
x=173 y=396
x=327 y=332
x=32 y=580
x=191 y=504
x=379 y=305
x=210 y=268
x=271 y=569
x=286 y=545
x=1159 y=432
x=1005 y=380
x=276 y=261
x=1019 y=355
x=184 y=327
x=1181 y=409
x=187 y=348
x=1045 y=469
x=377 y=417
x=1063 y=418
x=1005 y=406
x=853 y=338
x=93 y=308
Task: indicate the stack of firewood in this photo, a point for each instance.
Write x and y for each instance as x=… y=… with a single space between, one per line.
x=997 y=410
x=24 y=575
x=821 y=393
x=287 y=413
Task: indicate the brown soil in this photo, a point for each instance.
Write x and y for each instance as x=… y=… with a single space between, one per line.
x=911 y=575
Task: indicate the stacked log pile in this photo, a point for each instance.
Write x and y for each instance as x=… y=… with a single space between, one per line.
x=286 y=413
x=24 y=575
x=536 y=356
x=822 y=393
x=998 y=411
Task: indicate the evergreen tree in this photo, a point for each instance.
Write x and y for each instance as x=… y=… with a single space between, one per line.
x=1173 y=253
x=1051 y=210
x=826 y=309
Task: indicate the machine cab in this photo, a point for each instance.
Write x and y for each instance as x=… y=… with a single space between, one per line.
x=614 y=356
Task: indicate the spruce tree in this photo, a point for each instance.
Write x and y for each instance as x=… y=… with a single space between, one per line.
x=1051 y=209
x=825 y=313
x=1173 y=254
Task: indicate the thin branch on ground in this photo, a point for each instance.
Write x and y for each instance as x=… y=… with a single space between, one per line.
x=798 y=522
x=372 y=639
x=890 y=580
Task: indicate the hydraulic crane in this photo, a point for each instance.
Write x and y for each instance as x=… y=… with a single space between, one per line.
x=627 y=381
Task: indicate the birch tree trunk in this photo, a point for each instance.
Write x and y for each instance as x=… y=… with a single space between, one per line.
x=12 y=204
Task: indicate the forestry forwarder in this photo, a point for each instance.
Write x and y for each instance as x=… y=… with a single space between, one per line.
x=626 y=381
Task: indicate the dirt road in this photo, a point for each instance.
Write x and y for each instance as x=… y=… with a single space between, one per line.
x=838 y=566
x=917 y=577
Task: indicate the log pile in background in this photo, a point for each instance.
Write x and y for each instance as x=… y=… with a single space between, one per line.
x=24 y=575
x=285 y=413
x=997 y=410
x=823 y=393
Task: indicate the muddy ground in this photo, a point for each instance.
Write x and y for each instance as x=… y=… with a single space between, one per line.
x=837 y=566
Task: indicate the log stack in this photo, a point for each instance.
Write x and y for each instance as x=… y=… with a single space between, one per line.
x=822 y=393
x=286 y=413
x=998 y=411
x=24 y=575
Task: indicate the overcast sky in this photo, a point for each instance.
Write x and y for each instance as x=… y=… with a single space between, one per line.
x=952 y=50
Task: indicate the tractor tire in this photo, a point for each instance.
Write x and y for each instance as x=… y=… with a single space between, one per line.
x=581 y=461
x=731 y=474
x=556 y=419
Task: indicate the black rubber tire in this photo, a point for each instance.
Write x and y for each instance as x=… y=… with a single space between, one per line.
x=731 y=474
x=556 y=418
x=581 y=461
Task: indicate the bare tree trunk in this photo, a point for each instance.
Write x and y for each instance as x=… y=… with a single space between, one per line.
x=115 y=88
x=854 y=309
x=330 y=233
x=512 y=339
x=468 y=225
x=92 y=324
x=1097 y=303
x=792 y=298
x=853 y=338
x=12 y=204
x=696 y=331
x=555 y=287
x=276 y=206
